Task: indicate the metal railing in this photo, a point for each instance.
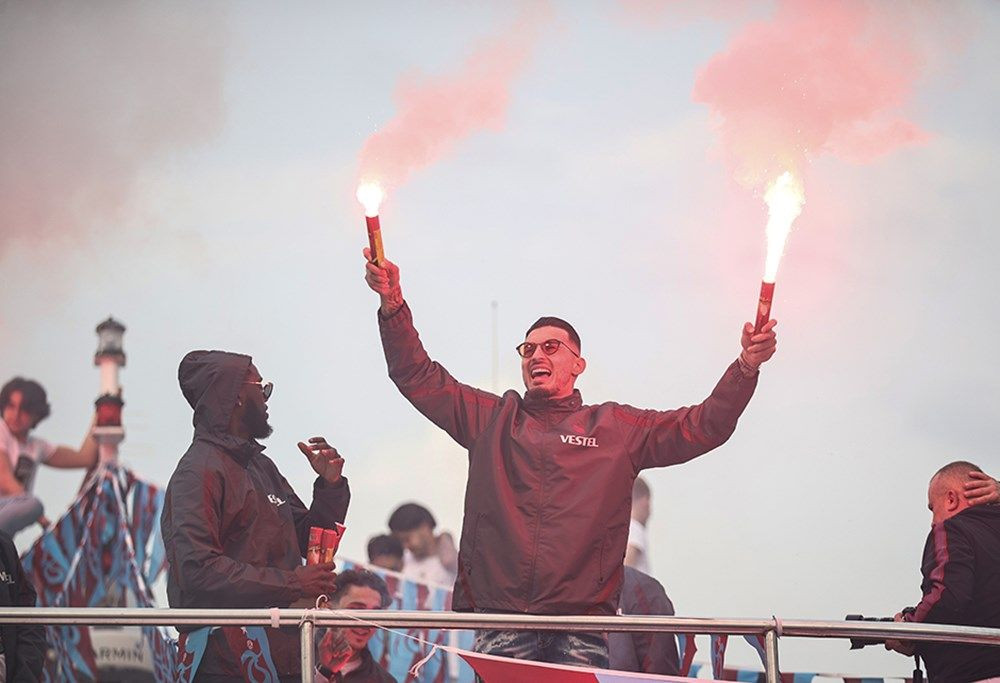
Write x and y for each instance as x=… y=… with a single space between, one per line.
x=307 y=620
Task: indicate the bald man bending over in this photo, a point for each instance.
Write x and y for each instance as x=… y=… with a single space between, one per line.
x=961 y=570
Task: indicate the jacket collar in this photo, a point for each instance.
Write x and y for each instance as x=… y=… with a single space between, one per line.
x=241 y=450
x=559 y=405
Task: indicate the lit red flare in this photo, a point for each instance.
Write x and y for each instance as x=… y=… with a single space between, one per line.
x=371 y=195
x=784 y=199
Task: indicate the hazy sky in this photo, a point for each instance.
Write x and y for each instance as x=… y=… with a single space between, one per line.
x=190 y=170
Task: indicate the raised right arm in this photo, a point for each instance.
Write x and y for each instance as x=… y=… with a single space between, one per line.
x=457 y=408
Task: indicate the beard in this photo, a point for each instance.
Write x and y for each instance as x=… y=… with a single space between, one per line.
x=255 y=420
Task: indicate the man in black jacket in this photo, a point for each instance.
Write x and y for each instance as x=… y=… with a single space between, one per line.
x=23 y=645
x=961 y=570
x=234 y=530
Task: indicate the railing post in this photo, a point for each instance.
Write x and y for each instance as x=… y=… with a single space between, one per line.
x=307 y=648
x=772 y=674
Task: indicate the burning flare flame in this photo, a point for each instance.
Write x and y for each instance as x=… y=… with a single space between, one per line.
x=784 y=199
x=370 y=194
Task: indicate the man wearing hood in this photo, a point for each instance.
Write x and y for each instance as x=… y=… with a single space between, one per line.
x=549 y=488
x=234 y=530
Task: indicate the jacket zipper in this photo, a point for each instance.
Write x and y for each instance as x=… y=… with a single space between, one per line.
x=538 y=515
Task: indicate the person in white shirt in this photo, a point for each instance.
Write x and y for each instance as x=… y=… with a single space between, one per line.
x=637 y=550
x=427 y=557
x=24 y=404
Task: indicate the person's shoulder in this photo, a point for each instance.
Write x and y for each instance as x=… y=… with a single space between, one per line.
x=199 y=460
x=973 y=518
x=622 y=411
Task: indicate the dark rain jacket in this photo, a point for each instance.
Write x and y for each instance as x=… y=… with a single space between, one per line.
x=370 y=671
x=233 y=528
x=23 y=644
x=961 y=569
x=651 y=653
x=550 y=481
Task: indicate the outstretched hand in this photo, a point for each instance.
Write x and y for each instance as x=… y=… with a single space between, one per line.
x=758 y=348
x=384 y=281
x=323 y=457
x=981 y=489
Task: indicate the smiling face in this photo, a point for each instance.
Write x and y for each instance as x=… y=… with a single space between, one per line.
x=551 y=376
x=359 y=597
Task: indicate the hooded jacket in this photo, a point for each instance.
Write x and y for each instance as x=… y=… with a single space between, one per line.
x=550 y=481
x=233 y=528
x=961 y=570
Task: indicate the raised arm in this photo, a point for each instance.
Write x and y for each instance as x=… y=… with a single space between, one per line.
x=331 y=492
x=982 y=489
x=457 y=408
x=660 y=438
x=85 y=456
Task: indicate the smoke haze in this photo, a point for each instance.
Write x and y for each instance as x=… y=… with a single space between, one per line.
x=435 y=113
x=817 y=78
x=93 y=94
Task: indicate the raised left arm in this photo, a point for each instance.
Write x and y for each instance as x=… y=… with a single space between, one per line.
x=68 y=458
x=982 y=489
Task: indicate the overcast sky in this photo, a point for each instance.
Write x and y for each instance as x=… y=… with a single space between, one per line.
x=190 y=171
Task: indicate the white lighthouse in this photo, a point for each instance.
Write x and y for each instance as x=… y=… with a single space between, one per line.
x=110 y=357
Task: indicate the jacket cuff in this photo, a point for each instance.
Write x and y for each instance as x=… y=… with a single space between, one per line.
x=400 y=318
x=736 y=373
x=322 y=484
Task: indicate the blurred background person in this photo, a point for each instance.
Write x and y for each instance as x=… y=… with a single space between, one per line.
x=637 y=550
x=427 y=557
x=651 y=653
x=386 y=552
x=25 y=404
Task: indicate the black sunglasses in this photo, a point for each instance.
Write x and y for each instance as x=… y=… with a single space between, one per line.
x=266 y=387
x=549 y=346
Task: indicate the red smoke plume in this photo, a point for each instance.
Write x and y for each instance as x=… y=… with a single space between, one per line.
x=93 y=97
x=819 y=78
x=436 y=113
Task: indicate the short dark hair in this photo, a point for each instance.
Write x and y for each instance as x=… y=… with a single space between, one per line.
x=409 y=516
x=384 y=545
x=958 y=469
x=34 y=401
x=360 y=577
x=552 y=321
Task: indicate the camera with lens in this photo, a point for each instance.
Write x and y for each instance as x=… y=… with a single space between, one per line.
x=858 y=643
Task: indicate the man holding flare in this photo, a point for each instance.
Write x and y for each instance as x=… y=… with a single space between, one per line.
x=550 y=479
